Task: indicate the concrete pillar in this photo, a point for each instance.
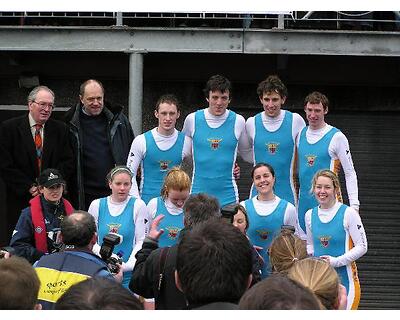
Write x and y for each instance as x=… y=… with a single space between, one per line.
x=136 y=91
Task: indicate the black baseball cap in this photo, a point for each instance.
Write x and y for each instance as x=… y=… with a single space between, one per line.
x=49 y=177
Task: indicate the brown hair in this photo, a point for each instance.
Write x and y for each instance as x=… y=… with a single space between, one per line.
x=320 y=277
x=176 y=179
x=315 y=98
x=285 y=250
x=170 y=99
x=272 y=84
x=20 y=284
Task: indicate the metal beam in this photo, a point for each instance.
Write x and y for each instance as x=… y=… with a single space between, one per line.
x=271 y=41
x=356 y=43
x=136 y=91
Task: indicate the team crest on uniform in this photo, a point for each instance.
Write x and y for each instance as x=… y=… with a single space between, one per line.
x=325 y=241
x=263 y=234
x=214 y=143
x=272 y=147
x=164 y=164
x=114 y=227
x=173 y=232
x=38 y=229
x=311 y=159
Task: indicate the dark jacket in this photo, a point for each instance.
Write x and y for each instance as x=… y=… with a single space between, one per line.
x=18 y=160
x=59 y=271
x=119 y=133
x=145 y=277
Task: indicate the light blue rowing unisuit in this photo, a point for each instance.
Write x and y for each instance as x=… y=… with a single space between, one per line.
x=156 y=164
x=171 y=224
x=213 y=159
x=277 y=149
x=263 y=229
x=312 y=158
x=123 y=225
x=330 y=239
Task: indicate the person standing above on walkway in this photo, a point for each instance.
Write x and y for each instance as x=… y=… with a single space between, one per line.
x=321 y=146
x=121 y=214
x=267 y=212
x=272 y=134
x=101 y=136
x=218 y=134
x=36 y=231
x=174 y=193
x=158 y=150
x=336 y=233
x=28 y=145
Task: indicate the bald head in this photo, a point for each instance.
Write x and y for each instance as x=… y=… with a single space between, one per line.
x=78 y=229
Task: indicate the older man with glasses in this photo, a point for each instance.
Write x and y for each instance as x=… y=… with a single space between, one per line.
x=28 y=145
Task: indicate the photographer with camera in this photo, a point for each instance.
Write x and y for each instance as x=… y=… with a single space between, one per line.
x=59 y=271
x=36 y=230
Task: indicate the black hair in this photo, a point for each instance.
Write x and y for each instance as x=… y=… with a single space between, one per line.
x=214 y=263
x=217 y=83
x=200 y=207
x=98 y=293
x=262 y=164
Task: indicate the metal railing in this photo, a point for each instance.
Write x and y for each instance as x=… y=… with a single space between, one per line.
x=329 y=20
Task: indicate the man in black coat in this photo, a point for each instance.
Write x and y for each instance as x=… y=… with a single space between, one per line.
x=101 y=137
x=22 y=161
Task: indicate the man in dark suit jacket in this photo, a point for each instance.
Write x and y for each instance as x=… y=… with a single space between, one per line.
x=19 y=155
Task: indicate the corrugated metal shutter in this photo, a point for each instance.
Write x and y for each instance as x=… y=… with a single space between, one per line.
x=375 y=146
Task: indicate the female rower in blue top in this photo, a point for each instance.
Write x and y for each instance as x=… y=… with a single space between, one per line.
x=335 y=233
x=121 y=214
x=174 y=192
x=267 y=212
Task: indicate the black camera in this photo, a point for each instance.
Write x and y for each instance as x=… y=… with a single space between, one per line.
x=110 y=240
x=288 y=227
x=5 y=250
x=228 y=212
x=56 y=244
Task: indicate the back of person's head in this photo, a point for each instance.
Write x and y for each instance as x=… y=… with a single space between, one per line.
x=272 y=85
x=78 y=229
x=98 y=294
x=214 y=263
x=199 y=208
x=20 y=285
x=320 y=277
x=285 y=250
x=278 y=292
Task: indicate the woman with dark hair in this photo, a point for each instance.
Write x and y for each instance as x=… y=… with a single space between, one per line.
x=36 y=230
x=267 y=212
x=240 y=220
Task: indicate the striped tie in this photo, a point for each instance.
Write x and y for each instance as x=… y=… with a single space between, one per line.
x=38 y=144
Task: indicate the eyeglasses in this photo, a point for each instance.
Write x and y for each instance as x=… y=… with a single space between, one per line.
x=44 y=105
